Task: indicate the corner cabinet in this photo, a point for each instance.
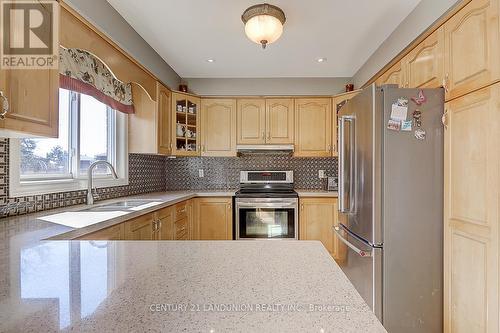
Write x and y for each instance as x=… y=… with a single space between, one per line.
x=218 y=127
x=313 y=127
x=150 y=125
x=394 y=75
x=472 y=43
x=317 y=217
x=185 y=124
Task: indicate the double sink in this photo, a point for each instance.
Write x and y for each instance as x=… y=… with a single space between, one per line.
x=133 y=205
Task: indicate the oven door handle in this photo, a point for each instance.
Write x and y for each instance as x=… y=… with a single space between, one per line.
x=265 y=205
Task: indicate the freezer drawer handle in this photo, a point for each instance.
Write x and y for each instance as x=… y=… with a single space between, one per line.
x=361 y=253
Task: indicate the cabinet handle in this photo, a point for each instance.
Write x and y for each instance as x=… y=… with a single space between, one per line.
x=263 y=135
x=444 y=119
x=269 y=135
x=5 y=105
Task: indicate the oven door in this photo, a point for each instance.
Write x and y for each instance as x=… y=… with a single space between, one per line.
x=266 y=218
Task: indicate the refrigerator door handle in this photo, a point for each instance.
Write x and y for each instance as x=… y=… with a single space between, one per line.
x=343 y=206
x=360 y=252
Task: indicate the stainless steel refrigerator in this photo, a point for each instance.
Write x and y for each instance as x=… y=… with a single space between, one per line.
x=391 y=203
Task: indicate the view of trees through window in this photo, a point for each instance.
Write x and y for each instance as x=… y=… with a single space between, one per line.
x=47 y=157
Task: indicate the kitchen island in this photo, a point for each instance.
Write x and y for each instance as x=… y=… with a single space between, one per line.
x=203 y=286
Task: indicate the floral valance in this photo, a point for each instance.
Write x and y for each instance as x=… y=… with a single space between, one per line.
x=83 y=72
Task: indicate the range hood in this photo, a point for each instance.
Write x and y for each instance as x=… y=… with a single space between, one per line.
x=265 y=149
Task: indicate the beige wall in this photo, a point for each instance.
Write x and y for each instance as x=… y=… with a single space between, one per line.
x=269 y=86
x=101 y=14
x=423 y=16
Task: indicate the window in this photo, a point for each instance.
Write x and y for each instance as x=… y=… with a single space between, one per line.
x=88 y=131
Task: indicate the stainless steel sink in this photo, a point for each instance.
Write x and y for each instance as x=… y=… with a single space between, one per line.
x=120 y=205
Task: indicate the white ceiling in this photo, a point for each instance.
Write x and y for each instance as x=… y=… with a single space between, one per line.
x=188 y=32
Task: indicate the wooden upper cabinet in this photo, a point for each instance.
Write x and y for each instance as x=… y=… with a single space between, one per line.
x=164 y=123
x=279 y=121
x=251 y=121
x=213 y=218
x=185 y=124
x=472 y=57
x=425 y=63
x=394 y=75
x=218 y=130
x=313 y=127
x=33 y=97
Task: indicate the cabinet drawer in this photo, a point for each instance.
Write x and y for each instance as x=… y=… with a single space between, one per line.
x=180 y=211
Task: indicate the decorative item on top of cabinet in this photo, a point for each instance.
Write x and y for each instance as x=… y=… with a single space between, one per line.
x=213 y=218
x=317 y=217
x=218 y=129
x=313 y=127
x=394 y=75
x=425 y=63
x=338 y=102
x=149 y=126
x=471 y=212
x=472 y=42
x=185 y=124
x=251 y=121
x=29 y=101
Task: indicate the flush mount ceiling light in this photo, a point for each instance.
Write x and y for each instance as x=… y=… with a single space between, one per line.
x=263 y=23
x=321 y=60
x=210 y=60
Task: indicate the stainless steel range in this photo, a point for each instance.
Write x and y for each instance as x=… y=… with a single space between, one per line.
x=266 y=206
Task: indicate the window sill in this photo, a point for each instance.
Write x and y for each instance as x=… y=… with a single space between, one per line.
x=41 y=187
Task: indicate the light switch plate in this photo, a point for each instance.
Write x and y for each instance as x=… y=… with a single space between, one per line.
x=201 y=173
x=321 y=174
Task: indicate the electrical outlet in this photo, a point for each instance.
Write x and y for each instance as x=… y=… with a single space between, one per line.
x=321 y=174
x=201 y=173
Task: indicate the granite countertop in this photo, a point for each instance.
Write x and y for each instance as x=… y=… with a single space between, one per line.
x=192 y=286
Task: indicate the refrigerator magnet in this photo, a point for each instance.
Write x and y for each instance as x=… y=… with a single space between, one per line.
x=420 y=134
x=399 y=110
x=420 y=98
x=406 y=125
x=394 y=125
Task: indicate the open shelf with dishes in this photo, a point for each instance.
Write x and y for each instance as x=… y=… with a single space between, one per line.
x=186 y=109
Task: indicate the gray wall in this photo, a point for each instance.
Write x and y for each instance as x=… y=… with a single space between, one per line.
x=101 y=14
x=269 y=86
x=426 y=13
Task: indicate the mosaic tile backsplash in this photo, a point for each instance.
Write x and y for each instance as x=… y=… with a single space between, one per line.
x=222 y=173
x=146 y=174
x=152 y=173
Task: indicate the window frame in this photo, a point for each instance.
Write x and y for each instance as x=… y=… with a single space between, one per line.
x=75 y=180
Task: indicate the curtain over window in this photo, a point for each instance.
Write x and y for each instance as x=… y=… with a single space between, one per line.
x=83 y=72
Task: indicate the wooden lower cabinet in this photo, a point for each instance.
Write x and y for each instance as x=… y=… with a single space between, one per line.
x=471 y=212
x=317 y=217
x=140 y=228
x=165 y=224
x=213 y=218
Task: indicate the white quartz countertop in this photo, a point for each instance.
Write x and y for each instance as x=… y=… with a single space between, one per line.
x=317 y=193
x=169 y=286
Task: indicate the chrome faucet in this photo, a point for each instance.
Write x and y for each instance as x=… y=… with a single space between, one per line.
x=90 y=197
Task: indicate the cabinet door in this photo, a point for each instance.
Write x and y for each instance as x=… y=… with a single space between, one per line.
x=140 y=228
x=115 y=232
x=313 y=127
x=471 y=212
x=394 y=75
x=143 y=124
x=213 y=219
x=279 y=121
x=185 y=124
x=164 y=127
x=165 y=224
x=425 y=63
x=472 y=48
x=33 y=96
x=251 y=121
x=218 y=130
x=316 y=221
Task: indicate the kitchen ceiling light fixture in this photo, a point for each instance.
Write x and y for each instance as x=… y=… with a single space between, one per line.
x=321 y=60
x=210 y=60
x=263 y=23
